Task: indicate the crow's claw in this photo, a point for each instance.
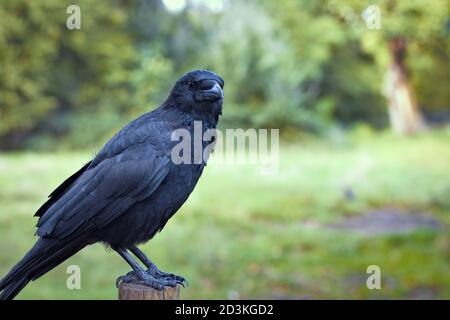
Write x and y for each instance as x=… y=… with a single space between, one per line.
x=155 y=280
x=169 y=277
x=129 y=277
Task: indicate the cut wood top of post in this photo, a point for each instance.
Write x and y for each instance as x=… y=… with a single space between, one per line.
x=139 y=291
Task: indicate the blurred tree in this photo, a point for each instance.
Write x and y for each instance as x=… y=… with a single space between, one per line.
x=300 y=64
x=403 y=25
x=338 y=77
x=402 y=104
x=48 y=70
x=28 y=33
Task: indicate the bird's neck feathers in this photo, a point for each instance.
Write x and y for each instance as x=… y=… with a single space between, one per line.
x=188 y=113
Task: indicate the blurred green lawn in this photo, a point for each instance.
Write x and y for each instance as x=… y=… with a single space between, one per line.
x=245 y=235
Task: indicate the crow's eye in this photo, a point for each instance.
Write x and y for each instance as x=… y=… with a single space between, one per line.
x=192 y=85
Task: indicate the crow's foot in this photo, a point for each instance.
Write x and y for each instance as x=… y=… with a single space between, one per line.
x=157 y=280
x=155 y=272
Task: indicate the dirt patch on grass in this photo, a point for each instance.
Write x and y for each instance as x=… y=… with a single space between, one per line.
x=387 y=221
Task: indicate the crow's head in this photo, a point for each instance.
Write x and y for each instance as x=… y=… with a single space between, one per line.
x=199 y=91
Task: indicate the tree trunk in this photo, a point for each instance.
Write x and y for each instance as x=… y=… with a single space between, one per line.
x=404 y=114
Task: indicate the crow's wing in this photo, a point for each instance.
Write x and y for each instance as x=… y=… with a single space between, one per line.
x=124 y=173
x=59 y=191
x=134 y=133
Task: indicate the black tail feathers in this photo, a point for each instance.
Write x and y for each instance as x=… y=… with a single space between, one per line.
x=45 y=255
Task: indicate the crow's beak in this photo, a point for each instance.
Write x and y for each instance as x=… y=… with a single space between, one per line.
x=213 y=94
x=215 y=90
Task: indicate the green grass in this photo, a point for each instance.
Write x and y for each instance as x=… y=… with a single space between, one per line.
x=266 y=236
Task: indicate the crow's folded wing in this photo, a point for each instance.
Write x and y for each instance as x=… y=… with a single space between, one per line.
x=59 y=191
x=143 y=130
x=102 y=193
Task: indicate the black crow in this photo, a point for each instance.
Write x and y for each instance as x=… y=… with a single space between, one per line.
x=128 y=192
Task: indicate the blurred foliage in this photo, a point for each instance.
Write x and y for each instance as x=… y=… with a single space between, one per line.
x=298 y=64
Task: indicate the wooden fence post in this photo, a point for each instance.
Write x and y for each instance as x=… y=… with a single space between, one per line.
x=138 y=291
